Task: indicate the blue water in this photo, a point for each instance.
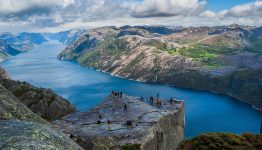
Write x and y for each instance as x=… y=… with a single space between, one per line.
x=85 y=88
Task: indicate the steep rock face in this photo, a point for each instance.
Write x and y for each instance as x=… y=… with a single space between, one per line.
x=224 y=59
x=152 y=128
x=43 y=102
x=65 y=37
x=36 y=38
x=12 y=108
x=20 y=128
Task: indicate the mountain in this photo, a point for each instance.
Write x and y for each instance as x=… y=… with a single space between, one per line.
x=65 y=37
x=222 y=59
x=35 y=38
x=13 y=44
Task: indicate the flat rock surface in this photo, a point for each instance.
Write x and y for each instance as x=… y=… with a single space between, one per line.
x=143 y=114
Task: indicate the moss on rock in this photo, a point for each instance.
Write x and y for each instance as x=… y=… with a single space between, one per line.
x=223 y=141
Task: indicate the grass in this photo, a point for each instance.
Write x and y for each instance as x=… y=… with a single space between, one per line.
x=131 y=147
x=205 y=54
x=109 y=47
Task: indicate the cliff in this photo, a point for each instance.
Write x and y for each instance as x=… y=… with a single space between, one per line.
x=20 y=128
x=151 y=127
x=225 y=60
x=43 y=102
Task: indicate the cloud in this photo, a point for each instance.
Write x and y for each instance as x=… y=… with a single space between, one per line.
x=16 y=8
x=57 y=15
x=167 y=8
x=208 y=14
x=252 y=9
x=90 y=10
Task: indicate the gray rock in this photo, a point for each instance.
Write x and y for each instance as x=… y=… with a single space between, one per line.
x=20 y=128
x=12 y=108
x=152 y=127
x=16 y=134
x=43 y=102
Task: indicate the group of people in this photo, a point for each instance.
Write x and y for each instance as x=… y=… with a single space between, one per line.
x=158 y=102
x=120 y=95
x=117 y=94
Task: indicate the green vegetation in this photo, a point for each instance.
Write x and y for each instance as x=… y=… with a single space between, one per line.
x=131 y=147
x=109 y=47
x=223 y=141
x=256 y=45
x=203 y=53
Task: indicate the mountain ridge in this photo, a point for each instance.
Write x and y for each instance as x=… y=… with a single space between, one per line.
x=225 y=59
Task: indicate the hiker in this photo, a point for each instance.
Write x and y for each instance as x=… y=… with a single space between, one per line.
x=71 y=136
x=100 y=116
x=158 y=102
x=157 y=96
x=109 y=124
x=152 y=100
x=98 y=122
x=113 y=109
x=129 y=122
x=171 y=100
x=121 y=95
x=142 y=98
x=125 y=107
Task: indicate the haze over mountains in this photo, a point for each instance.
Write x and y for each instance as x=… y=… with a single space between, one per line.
x=13 y=44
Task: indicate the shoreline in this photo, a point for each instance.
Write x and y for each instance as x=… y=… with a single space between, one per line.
x=209 y=91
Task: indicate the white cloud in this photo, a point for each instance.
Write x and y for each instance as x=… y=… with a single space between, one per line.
x=54 y=15
x=208 y=14
x=165 y=8
x=246 y=10
x=13 y=6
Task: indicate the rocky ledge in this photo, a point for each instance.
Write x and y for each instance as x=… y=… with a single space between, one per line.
x=127 y=122
x=20 y=128
x=41 y=101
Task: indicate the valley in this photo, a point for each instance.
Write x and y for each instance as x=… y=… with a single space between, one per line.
x=85 y=88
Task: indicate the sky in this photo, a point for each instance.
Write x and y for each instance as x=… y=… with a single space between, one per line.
x=59 y=15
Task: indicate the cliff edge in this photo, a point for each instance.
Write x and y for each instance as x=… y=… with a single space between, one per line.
x=127 y=122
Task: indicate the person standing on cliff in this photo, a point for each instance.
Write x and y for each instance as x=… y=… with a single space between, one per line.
x=109 y=124
x=171 y=100
x=142 y=98
x=152 y=100
x=157 y=96
x=121 y=95
x=125 y=108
